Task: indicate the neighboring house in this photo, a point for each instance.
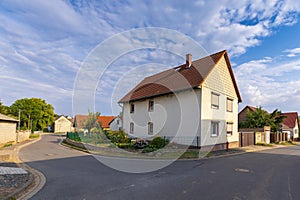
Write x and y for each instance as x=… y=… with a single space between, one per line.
x=116 y=124
x=290 y=125
x=243 y=113
x=79 y=121
x=8 y=127
x=105 y=121
x=199 y=98
x=63 y=124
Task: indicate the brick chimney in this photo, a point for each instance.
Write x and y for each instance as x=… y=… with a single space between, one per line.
x=188 y=60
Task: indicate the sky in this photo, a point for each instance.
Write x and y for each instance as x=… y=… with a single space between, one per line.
x=45 y=44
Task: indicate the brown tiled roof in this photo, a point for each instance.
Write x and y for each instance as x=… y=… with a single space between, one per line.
x=79 y=120
x=104 y=121
x=7 y=118
x=178 y=78
x=290 y=119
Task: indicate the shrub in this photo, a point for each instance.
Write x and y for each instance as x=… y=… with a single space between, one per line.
x=148 y=149
x=117 y=136
x=158 y=142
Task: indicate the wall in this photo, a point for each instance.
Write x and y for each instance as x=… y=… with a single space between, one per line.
x=114 y=125
x=220 y=82
x=7 y=132
x=62 y=125
x=173 y=115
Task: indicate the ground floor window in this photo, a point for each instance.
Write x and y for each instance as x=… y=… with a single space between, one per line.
x=229 y=128
x=131 y=128
x=150 y=128
x=214 y=128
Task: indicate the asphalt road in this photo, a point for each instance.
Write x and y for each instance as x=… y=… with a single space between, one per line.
x=271 y=174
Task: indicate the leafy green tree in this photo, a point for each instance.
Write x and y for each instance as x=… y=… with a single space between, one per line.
x=260 y=118
x=34 y=112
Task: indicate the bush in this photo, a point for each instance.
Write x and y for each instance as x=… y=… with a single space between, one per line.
x=148 y=149
x=117 y=137
x=158 y=142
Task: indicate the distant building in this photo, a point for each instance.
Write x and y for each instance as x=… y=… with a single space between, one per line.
x=290 y=125
x=63 y=124
x=8 y=127
x=105 y=121
x=116 y=124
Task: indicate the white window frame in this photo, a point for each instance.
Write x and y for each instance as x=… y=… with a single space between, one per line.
x=214 y=133
x=150 y=128
x=229 y=105
x=215 y=100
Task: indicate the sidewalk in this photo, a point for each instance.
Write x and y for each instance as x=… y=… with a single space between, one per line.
x=15 y=176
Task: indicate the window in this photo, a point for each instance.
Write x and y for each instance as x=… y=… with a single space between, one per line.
x=151 y=106
x=132 y=108
x=229 y=128
x=131 y=128
x=229 y=105
x=214 y=129
x=118 y=122
x=215 y=100
x=150 y=128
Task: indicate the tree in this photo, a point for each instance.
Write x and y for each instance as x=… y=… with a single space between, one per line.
x=34 y=112
x=260 y=118
x=4 y=109
x=92 y=122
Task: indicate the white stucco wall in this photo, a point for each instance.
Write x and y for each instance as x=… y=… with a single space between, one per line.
x=114 y=125
x=62 y=125
x=173 y=115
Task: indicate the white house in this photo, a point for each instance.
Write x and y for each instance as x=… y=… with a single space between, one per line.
x=194 y=104
x=116 y=124
x=63 y=124
x=290 y=125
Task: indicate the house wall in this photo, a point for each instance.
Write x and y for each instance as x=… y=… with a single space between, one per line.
x=7 y=132
x=220 y=82
x=62 y=125
x=296 y=130
x=173 y=115
x=114 y=125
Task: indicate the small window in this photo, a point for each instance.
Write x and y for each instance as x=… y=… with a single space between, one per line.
x=151 y=106
x=132 y=108
x=131 y=128
x=229 y=128
x=150 y=128
x=215 y=100
x=214 y=129
x=118 y=122
x=229 y=105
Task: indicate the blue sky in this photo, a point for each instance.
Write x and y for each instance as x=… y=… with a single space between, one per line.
x=44 y=43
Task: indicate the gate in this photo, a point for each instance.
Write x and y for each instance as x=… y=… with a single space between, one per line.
x=247 y=138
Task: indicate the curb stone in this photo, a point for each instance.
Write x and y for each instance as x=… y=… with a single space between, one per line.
x=37 y=181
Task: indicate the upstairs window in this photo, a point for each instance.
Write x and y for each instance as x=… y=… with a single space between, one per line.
x=215 y=100
x=214 y=129
x=229 y=105
x=151 y=105
x=131 y=128
x=150 y=128
x=132 y=108
x=229 y=128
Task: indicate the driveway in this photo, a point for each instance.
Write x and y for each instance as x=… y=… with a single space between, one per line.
x=270 y=174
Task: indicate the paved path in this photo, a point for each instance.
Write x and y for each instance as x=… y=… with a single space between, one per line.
x=271 y=174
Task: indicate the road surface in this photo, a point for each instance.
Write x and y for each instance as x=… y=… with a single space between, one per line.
x=270 y=174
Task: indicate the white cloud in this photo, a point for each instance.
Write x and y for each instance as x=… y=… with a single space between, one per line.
x=271 y=83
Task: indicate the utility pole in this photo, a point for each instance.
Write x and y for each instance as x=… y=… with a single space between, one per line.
x=19 y=125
